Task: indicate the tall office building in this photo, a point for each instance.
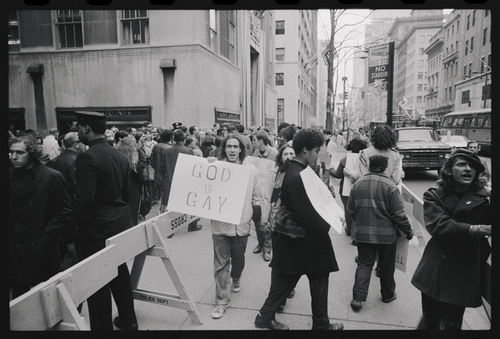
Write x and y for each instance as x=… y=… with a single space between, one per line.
x=296 y=67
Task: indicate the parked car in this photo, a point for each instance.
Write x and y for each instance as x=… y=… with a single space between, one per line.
x=421 y=148
x=455 y=141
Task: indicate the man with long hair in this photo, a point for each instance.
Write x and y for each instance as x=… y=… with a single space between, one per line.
x=230 y=240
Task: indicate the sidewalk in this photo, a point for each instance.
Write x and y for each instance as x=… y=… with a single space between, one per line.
x=192 y=255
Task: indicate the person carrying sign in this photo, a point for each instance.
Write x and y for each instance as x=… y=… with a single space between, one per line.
x=303 y=245
x=230 y=240
x=376 y=207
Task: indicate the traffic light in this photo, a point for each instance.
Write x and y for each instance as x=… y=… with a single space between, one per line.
x=346 y=95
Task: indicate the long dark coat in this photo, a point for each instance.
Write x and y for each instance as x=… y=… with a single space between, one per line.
x=169 y=160
x=312 y=254
x=65 y=164
x=449 y=270
x=39 y=210
x=102 y=192
x=156 y=160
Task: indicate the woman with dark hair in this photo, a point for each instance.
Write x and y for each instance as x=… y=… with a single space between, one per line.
x=128 y=147
x=458 y=216
x=383 y=143
x=120 y=135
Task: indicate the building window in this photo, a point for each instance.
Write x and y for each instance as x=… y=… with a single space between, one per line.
x=465 y=97
x=421 y=51
x=466 y=47
x=14 y=42
x=280 y=27
x=485 y=34
x=465 y=70
x=471 y=44
x=422 y=39
x=483 y=62
x=69 y=26
x=419 y=99
x=419 y=87
x=421 y=63
x=135 y=27
x=227 y=32
x=280 y=54
x=473 y=18
x=298 y=81
x=468 y=21
x=486 y=92
x=470 y=69
x=452 y=30
x=280 y=79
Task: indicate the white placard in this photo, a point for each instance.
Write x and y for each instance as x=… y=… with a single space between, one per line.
x=322 y=199
x=351 y=164
x=209 y=190
x=264 y=166
x=336 y=157
x=401 y=252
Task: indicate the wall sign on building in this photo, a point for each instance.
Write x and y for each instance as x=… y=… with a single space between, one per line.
x=121 y=117
x=223 y=115
x=378 y=65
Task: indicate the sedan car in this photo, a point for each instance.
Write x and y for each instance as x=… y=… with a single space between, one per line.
x=455 y=141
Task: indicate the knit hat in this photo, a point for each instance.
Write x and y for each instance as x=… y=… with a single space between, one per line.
x=469 y=155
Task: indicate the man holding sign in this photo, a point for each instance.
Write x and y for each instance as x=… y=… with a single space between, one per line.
x=303 y=245
x=376 y=207
x=230 y=240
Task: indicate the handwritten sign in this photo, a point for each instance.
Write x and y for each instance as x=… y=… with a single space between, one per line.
x=264 y=166
x=401 y=252
x=322 y=199
x=336 y=157
x=351 y=163
x=208 y=190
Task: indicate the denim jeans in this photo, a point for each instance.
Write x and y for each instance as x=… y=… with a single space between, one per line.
x=367 y=253
x=264 y=239
x=229 y=251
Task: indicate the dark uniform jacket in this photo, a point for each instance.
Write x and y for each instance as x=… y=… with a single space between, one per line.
x=312 y=254
x=102 y=192
x=170 y=159
x=65 y=164
x=39 y=211
x=449 y=270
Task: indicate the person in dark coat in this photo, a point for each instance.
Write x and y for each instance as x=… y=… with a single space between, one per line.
x=458 y=216
x=65 y=164
x=128 y=147
x=310 y=254
x=156 y=160
x=376 y=207
x=101 y=210
x=39 y=211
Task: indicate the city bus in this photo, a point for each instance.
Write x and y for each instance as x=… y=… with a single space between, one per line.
x=474 y=125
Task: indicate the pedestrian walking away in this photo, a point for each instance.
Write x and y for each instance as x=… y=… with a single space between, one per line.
x=376 y=207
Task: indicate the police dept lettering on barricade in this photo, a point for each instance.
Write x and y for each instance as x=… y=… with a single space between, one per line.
x=149 y=298
x=210 y=190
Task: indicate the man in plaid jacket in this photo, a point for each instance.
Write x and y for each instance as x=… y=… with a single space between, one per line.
x=376 y=207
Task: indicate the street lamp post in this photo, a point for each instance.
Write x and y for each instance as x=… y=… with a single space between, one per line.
x=344 y=79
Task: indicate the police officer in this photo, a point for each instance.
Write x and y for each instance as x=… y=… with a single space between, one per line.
x=101 y=210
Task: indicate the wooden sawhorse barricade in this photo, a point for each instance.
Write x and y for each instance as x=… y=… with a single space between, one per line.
x=52 y=304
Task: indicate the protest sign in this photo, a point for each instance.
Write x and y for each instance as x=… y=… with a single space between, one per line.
x=322 y=199
x=264 y=166
x=336 y=157
x=351 y=164
x=208 y=190
x=401 y=253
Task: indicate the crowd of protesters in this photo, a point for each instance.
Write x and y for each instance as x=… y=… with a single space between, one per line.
x=65 y=191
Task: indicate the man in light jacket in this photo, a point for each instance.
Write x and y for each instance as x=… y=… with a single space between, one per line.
x=230 y=240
